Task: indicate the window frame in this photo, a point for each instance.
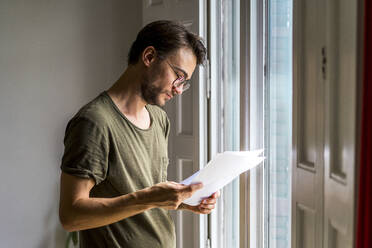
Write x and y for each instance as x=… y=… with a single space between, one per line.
x=216 y=106
x=253 y=227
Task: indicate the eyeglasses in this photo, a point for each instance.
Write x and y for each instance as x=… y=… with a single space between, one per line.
x=180 y=80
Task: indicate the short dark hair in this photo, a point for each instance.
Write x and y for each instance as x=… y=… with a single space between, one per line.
x=166 y=37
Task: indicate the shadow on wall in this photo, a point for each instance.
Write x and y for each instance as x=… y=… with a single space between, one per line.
x=54 y=233
x=55 y=56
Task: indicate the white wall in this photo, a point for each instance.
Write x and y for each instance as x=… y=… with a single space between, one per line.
x=54 y=57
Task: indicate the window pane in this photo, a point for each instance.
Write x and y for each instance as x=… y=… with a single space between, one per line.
x=278 y=122
x=230 y=113
x=225 y=81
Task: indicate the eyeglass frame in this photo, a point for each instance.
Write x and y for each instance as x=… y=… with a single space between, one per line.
x=185 y=83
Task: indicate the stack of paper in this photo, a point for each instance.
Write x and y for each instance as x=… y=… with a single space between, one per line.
x=220 y=171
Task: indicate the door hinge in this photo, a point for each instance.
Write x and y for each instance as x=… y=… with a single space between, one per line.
x=208 y=79
x=324 y=63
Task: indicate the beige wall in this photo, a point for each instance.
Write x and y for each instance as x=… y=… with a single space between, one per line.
x=54 y=57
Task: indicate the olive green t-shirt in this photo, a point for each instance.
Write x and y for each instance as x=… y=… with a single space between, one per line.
x=102 y=144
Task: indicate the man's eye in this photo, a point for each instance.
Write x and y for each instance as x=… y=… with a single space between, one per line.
x=181 y=78
x=179 y=75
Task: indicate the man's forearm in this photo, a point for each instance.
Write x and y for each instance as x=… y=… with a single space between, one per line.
x=79 y=211
x=95 y=212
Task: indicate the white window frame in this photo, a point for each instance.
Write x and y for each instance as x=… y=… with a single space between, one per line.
x=252 y=67
x=217 y=220
x=215 y=125
x=252 y=224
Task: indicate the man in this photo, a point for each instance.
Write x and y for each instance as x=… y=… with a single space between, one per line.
x=114 y=168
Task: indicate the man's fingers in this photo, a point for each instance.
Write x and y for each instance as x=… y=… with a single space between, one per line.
x=216 y=194
x=202 y=208
x=205 y=210
x=196 y=186
x=209 y=201
x=207 y=206
x=193 y=187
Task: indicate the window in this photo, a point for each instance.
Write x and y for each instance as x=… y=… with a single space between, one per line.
x=278 y=122
x=251 y=109
x=224 y=106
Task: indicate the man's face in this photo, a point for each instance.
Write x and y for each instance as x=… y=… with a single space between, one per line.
x=157 y=86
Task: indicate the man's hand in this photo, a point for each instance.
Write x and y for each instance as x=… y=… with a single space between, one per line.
x=205 y=207
x=170 y=195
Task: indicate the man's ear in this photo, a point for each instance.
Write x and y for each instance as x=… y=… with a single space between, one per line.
x=148 y=55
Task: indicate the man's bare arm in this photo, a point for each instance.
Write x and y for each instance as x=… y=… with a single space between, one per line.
x=78 y=211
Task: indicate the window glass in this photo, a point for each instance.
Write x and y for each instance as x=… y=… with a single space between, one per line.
x=278 y=122
x=230 y=113
x=225 y=113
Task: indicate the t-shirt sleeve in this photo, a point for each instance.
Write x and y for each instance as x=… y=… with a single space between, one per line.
x=86 y=150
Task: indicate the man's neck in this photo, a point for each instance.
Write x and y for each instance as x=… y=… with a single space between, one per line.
x=126 y=93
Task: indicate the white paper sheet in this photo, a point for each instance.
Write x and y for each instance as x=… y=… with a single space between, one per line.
x=220 y=171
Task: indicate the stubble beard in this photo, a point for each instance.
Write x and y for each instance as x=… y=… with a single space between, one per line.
x=150 y=93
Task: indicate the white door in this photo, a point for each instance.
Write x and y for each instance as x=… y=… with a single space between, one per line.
x=308 y=115
x=187 y=114
x=340 y=123
x=324 y=123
